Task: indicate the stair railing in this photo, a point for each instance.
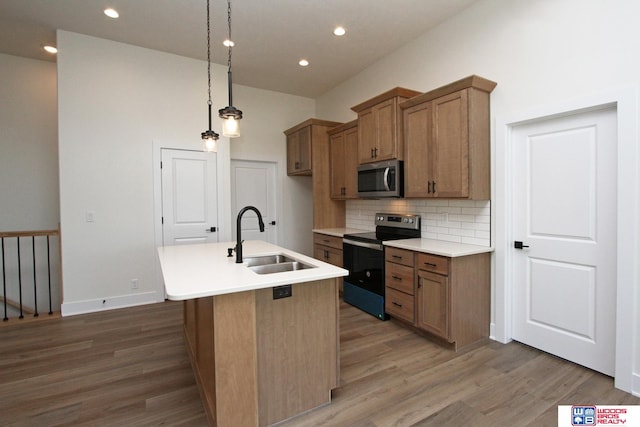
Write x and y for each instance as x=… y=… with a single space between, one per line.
x=22 y=269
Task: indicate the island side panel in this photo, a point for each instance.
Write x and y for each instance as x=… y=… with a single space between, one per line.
x=298 y=348
x=234 y=329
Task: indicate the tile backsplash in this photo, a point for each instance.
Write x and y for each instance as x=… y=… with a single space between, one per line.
x=463 y=221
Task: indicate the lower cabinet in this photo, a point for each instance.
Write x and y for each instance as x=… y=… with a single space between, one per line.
x=446 y=297
x=327 y=248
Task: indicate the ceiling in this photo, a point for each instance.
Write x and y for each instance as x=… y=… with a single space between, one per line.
x=270 y=35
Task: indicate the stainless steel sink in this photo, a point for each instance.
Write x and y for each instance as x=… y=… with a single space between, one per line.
x=269 y=264
x=267 y=259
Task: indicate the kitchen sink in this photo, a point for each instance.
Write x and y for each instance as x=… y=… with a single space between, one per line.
x=267 y=259
x=269 y=264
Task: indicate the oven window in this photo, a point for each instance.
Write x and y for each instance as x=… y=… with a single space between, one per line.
x=365 y=267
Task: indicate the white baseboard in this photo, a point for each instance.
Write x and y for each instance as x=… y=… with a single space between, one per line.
x=109 y=303
x=635 y=385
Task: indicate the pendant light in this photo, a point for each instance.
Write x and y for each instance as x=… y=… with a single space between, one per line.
x=209 y=137
x=230 y=114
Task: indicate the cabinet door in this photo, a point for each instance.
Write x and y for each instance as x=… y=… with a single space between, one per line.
x=351 y=163
x=386 y=147
x=292 y=153
x=451 y=145
x=366 y=136
x=337 y=148
x=304 y=149
x=299 y=152
x=418 y=158
x=433 y=304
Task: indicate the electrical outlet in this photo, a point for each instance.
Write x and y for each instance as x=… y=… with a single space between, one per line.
x=134 y=283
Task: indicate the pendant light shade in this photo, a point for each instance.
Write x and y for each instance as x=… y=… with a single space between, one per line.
x=230 y=114
x=209 y=137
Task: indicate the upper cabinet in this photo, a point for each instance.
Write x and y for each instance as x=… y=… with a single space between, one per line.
x=308 y=154
x=343 y=147
x=380 y=126
x=300 y=139
x=299 y=151
x=446 y=141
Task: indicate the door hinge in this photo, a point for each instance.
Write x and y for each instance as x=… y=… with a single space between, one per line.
x=162 y=220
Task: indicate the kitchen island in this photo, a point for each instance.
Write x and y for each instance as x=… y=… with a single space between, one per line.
x=264 y=346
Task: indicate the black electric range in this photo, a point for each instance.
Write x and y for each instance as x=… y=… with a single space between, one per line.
x=363 y=256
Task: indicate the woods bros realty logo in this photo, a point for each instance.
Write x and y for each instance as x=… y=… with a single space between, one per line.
x=593 y=415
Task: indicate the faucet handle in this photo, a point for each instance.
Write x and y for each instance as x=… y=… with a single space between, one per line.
x=229 y=252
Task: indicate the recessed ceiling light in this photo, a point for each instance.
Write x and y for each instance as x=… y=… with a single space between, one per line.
x=111 y=13
x=339 y=31
x=228 y=43
x=303 y=62
x=51 y=49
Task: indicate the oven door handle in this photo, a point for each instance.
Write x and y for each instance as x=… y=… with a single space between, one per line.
x=374 y=246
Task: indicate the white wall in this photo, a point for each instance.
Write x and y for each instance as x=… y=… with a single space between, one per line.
x=116 y=103
x=266 y=115
x=540 y=52
x=28 y=145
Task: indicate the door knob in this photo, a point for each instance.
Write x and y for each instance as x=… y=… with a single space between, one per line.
x=518 y=245
x=211 y=230
x=272 y=223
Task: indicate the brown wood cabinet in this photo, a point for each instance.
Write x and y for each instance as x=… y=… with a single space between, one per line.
x=380 y=126
x=446 y=297
x=327 y=248
x=343 y=146
x=259 y=361
x=399 y=284
x=446 y=141
x=326 y=212
x=299 y=152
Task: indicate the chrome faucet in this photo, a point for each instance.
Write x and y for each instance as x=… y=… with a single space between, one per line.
x=239 y=233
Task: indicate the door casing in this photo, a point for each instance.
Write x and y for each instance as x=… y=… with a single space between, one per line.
x=627 y=212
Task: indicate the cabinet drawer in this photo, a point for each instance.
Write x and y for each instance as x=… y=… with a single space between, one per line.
x=399 y=277
x=399 y=256
x=326 y=240
x=435 y=263
x=328 y=254
x=400 y=305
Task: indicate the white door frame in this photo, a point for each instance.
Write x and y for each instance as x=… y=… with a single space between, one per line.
x=276 y=193
x=224 y=192
x=628 y=230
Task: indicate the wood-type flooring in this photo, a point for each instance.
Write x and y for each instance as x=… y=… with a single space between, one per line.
x=129 y=367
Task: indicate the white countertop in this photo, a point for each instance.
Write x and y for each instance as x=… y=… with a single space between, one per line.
x=195 y=271
x=438 y=247
x=338 y=232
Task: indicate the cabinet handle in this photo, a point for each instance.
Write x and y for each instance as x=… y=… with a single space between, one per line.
x=396 y=278
x=396 y=256
x=375 y=152
x=430 y=264
x=434 y=186
x=372 y=156
x=326 y=254
x=396 y=304
x=429 y=187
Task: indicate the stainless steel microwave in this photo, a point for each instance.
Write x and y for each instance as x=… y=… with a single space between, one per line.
x=381 y=179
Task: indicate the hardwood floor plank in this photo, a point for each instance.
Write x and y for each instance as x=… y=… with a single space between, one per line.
x=130 y=367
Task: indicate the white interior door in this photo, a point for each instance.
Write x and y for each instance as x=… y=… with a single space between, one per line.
x=254 y=184
x=564 y=213
x=189 y=197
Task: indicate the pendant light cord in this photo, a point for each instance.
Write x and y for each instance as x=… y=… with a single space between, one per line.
x=230 y=48
x=209 y=59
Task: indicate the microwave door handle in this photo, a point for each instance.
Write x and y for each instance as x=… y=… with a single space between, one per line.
x=386 y=179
